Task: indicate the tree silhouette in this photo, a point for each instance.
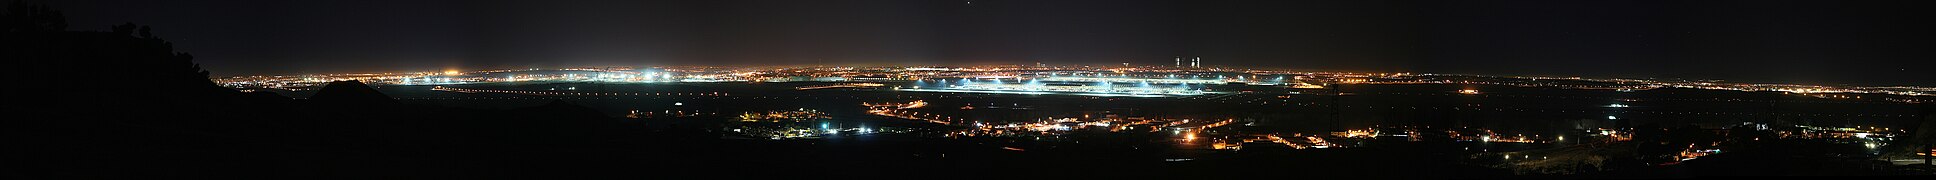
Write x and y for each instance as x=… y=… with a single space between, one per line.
x=124 y=29
x=146 y=34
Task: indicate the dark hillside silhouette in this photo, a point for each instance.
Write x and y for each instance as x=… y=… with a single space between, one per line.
x=161 y=117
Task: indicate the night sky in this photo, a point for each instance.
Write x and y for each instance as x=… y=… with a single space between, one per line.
x=1815 y=42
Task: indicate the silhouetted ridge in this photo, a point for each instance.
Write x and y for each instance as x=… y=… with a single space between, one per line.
x=1926 y=133
x=1923 y=138
x=350 y=92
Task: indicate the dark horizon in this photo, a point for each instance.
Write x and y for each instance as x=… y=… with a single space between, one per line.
x=1803 y=42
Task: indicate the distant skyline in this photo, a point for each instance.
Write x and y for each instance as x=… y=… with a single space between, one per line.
x=1802 y=42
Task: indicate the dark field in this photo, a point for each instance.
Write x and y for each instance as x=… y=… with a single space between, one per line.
x=1264 y=109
